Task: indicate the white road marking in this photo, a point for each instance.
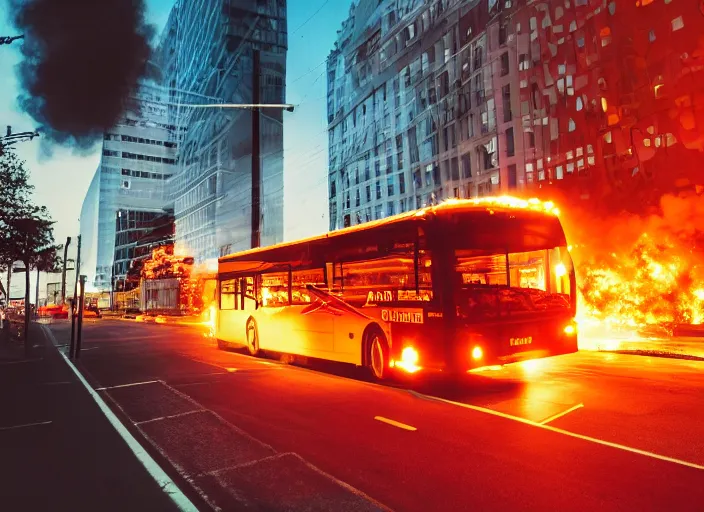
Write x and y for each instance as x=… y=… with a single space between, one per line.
x=345 y=485
x=128 y=385
x=13 y=427
x=572 y=434
x=157 y=473
x=169 y=417
x=395 y=423
x=217 y=472
x=561 y=414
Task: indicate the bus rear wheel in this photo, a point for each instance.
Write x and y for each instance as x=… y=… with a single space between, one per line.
x=377 y=354
x=252 y=337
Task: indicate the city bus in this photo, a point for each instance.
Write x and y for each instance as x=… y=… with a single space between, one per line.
x=451 y=288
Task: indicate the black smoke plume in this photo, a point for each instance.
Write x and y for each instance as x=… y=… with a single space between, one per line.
x=82 y=61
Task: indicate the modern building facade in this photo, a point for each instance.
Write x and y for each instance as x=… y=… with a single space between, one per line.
x=611 y=93
x=89 y=231
x=158 y=232
x=583 y=100
x=207 y=58
x=138 y=158
x=421 y=107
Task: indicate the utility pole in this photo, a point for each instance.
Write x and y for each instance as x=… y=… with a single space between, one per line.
x=63 y=272
x=75 y=294
x=256 y=150
x=81 y=301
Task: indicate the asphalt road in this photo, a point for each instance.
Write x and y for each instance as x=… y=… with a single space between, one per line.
x=580 y=432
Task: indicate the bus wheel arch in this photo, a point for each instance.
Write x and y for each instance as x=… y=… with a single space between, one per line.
x=252 y=336
x=375 y=351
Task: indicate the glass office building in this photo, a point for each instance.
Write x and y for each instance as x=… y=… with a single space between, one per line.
x=138 y=159
x=207 y=58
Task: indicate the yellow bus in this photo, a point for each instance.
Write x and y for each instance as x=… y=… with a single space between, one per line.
x=453 y=287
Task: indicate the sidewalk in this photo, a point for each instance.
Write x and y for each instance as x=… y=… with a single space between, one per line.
x=58 y=451
x=687 y=346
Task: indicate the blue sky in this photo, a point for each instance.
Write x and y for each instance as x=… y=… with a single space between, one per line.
x=62 y=180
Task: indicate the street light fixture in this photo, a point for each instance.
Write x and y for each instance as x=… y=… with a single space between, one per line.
x=10 y=39
x=12 y=138
x=284 y=106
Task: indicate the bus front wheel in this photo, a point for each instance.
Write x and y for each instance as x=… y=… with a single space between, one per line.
x=252 y=337
x=377 y=353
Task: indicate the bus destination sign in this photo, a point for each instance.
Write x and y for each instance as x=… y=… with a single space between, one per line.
x=402 y=315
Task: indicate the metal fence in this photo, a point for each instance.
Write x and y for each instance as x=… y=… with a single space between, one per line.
x=160 y=296
x=127 y=300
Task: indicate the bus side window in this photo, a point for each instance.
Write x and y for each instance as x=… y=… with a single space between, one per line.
x=425 y=271
x=227 y=294
x=274 y=289
x=300 y=279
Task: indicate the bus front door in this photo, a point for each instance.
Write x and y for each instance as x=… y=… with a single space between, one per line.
x=315 y=326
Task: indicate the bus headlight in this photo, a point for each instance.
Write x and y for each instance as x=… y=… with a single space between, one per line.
x=409 y=360
x=570 y=329
x=409 y=356
x=477 y=353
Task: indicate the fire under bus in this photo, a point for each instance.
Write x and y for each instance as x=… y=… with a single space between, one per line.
x=454 y=287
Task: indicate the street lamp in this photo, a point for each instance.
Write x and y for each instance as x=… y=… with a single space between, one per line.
x=285 y=106
x=12 y=138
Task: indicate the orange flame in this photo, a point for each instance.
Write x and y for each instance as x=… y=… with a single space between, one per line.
x=197 y=281
x=642 y=273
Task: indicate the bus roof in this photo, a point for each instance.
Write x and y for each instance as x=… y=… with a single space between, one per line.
x=503 y=203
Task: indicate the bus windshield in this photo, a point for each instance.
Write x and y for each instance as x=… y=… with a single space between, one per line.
x=500 y=284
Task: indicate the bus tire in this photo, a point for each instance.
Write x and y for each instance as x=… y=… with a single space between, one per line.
x=376 y=352
x=252 y=337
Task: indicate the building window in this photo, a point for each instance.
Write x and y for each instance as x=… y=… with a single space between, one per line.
x=523 y=62
x=390 y=208
x=378 y=189
x=512 y=177
x=504 y=64
x=454 y=170
x=466 y=166
x=378 y=213
x=369 y=193
x=357 y=198
x=390 y=186
x=506 y=93
x=510 y=147
x=401 y=183
x=503 y=33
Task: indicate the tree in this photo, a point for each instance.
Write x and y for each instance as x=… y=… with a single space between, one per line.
x=30 y=239
x=15 y=193
x=26 y=232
